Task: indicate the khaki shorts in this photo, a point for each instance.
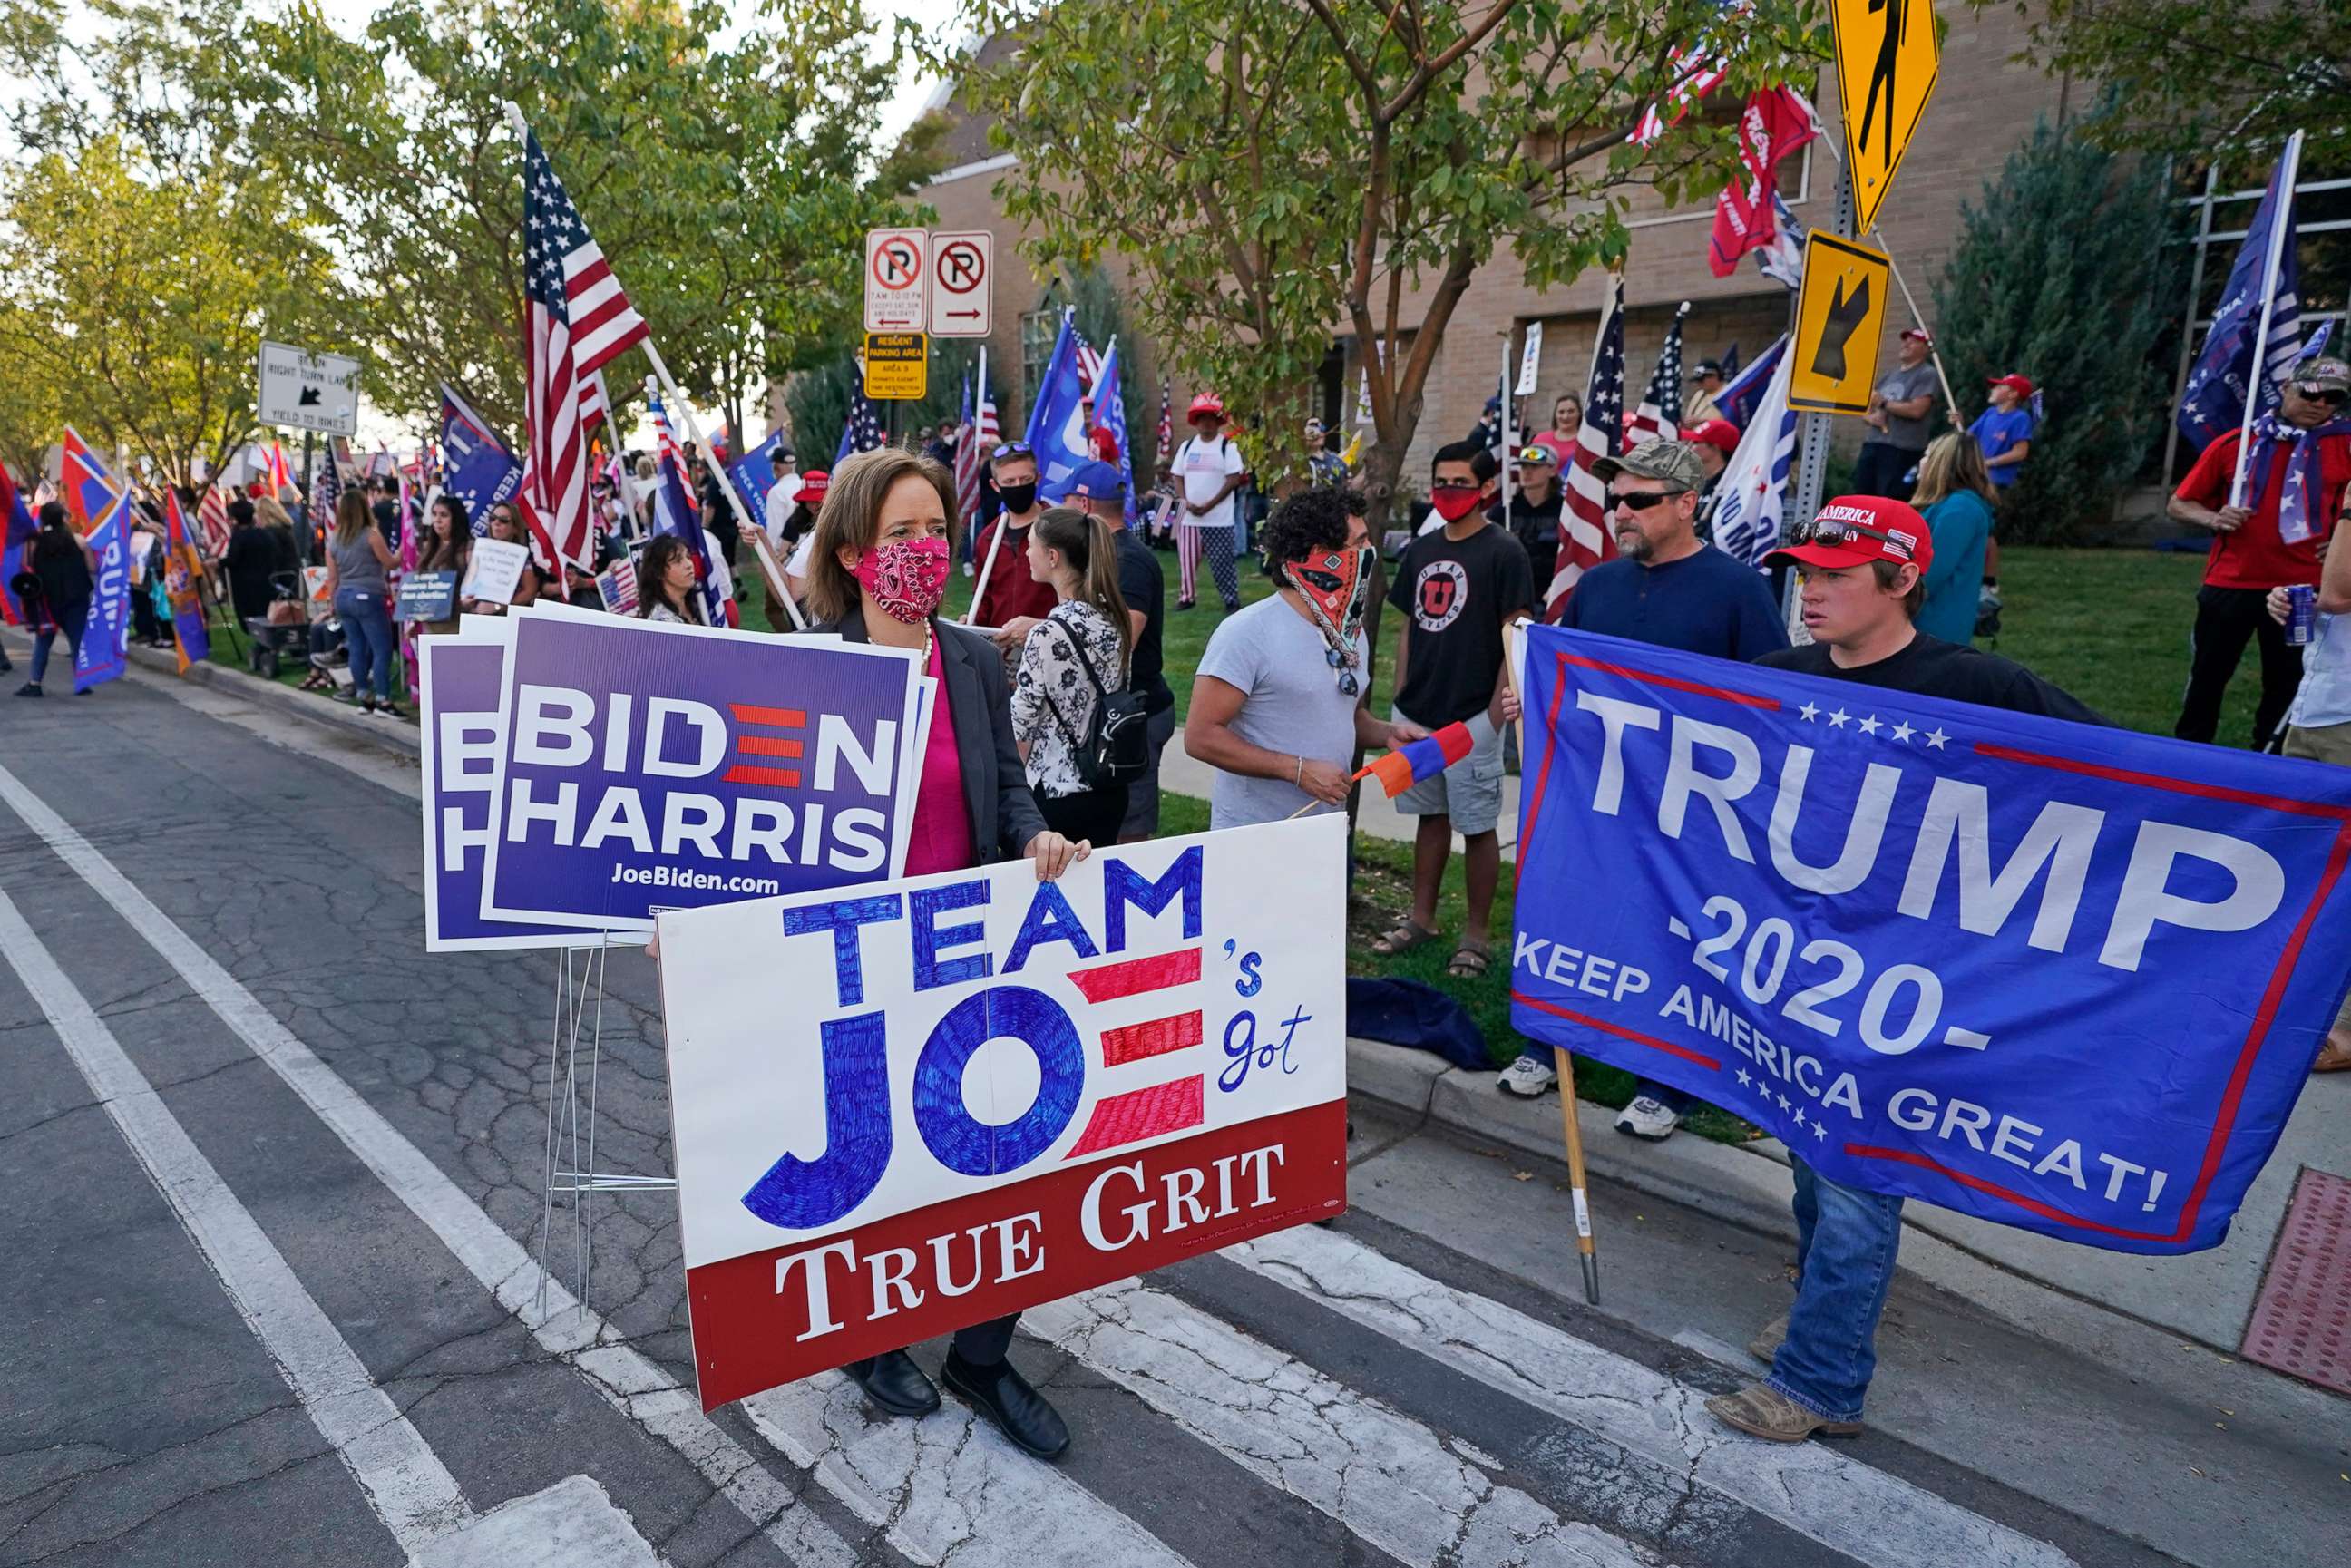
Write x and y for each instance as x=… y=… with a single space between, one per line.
x=2327 y=743
x=1470 y=791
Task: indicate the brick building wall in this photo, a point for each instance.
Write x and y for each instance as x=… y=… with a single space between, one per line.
x=1985 y=104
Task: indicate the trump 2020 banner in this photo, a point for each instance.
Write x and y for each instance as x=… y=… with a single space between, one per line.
x=905 y=1109
x=646 y=766
x=2065 y=977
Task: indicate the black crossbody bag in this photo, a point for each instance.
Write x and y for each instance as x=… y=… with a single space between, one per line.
x=1115 y=749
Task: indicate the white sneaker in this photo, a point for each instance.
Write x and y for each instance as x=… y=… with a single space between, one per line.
x=1529 y=1078
x=1646 y=1118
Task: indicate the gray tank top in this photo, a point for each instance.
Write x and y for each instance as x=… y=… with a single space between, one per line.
x=356 y=566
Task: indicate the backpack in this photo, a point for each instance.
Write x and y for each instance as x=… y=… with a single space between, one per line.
x=1114 y=750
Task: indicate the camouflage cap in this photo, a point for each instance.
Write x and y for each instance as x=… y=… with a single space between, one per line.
x=1673 y=462
x=2328 y=374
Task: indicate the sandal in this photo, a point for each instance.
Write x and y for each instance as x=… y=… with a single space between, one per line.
x=1469 y=961
x=1408 y=935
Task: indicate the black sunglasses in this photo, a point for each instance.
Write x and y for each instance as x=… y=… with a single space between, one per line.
x=1640 y=500
x=1827 y=531
x=1348 y=685
x=2331 y=398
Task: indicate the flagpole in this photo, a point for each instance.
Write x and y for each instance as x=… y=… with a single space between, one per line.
x=1507 y=387
x=1950 y=400
x=2290 y=167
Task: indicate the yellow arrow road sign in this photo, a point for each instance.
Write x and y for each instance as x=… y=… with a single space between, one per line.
x=1839 y=317
x=1887 y=62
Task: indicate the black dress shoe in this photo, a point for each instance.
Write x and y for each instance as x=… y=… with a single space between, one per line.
x=1002 y=1395
x=892 y=1381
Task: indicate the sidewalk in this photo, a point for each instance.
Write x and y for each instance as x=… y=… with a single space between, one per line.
x=2208 y=1297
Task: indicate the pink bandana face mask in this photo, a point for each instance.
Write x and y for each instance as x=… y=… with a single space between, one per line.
x=907 y=578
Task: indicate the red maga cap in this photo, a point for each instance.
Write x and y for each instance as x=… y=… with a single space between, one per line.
x=1207 y=403
x=1853 y=529
x=1719 y=433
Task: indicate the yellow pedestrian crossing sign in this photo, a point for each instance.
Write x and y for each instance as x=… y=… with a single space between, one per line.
x=1887 y=62
x=1839 y=317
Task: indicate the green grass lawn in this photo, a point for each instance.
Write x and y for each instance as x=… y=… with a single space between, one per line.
x=2110 y=626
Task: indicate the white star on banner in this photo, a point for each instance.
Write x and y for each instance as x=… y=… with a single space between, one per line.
x=1743 y=1080
x=1935 y=738
x=1840 y=719
x=1785 y=1103
x=1810 y=711
x=1799 y=1115
x=1903 y=731
x=1820 y=1129
x=1872 y=724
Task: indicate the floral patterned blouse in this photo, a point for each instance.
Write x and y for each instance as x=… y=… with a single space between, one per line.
x=1049 y=682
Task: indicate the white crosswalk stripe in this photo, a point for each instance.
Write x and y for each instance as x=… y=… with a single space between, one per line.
x=1385 y=1476
x=1854 y=1508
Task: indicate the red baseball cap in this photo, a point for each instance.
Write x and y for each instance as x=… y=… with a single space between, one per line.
x=1715 y=433
x=813 y=485
x=1920 y=333
x=2022 y=386
x=1853 y=529
x=1207 y=403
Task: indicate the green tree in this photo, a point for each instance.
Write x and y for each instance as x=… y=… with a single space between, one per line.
x=2061 y=274
x=2187 y=75
x=726 y=174
x=1279 y=173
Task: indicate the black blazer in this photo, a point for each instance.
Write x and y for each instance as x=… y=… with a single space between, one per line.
x=996 y=803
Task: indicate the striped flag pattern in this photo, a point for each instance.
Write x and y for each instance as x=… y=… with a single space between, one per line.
x=1584 y=539
x=1751 y=498
x=972 y=454
x=1090 y=364
x=1166 y=423
x=675 y=511
x=1659 y=417
x=579 y=321
x=1699 y=69
x=212 y=521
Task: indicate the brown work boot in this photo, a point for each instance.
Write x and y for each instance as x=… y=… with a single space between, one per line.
x=1766 y=1344
x=1764 y=1412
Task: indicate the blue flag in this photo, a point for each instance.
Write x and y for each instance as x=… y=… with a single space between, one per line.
x=476 y=466
x=16 y=530
x=101 y=655
x=1057 y=417
x=1742 y=393
x=754 y=474
x=2053 y=974
x=2213 y=403
x=1109 y=412
x=675 y=511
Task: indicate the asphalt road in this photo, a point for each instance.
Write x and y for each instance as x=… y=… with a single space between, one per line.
x=271 y=1188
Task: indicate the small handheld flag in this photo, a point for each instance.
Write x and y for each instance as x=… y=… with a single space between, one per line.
x=1418 y=761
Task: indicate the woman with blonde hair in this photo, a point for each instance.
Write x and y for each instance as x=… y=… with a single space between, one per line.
x=1955 y=496
x=358 y=564
x=1078 y=651
x=878 y=566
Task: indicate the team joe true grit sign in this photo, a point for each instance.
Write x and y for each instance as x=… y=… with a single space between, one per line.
x=907 y=1107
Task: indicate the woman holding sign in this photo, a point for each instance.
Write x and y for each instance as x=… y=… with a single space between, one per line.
x=448 y=548
x=877 y=570
x=506 y=527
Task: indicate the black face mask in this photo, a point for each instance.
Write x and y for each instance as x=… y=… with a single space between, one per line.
x=1017 y=499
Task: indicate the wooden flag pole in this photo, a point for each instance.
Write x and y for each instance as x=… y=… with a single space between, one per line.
x=1570 y=1129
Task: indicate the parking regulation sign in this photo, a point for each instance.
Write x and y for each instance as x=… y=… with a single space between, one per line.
x=897 y=267
x=963 y=267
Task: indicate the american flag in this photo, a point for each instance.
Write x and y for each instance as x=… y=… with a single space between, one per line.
x=579 y=321
x=675 y=511
x=1659 y=417
x=212 y=520
x=1166 y=423
x=1699 y=68
x=863 y=431
x=1584 y=538
x=2225 y=373
x=326 y=490
x=1090 y=363
x=972 y=454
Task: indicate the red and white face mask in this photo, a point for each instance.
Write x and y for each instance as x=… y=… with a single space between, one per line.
x=907 y=578
x=1337 y=588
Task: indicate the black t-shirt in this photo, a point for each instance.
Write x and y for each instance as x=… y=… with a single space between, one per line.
x=1931 y=667
x=1536 y=524
x=1145 y=589
x=1459 y=592
x=387 y=519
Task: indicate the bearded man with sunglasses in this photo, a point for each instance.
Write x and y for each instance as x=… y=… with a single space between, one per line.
x=1668 y=587
x=2300 y=463
x=1864 y=563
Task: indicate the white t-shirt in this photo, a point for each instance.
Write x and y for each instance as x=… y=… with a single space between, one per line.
x=798 y=566
x=1204 y=467
x=781 y=502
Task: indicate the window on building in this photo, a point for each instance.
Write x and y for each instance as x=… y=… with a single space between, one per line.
x=1038 y=329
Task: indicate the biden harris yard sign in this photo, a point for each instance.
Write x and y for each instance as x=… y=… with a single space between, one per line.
x=2065 y=977
x=645 y=765
x=903 y=1109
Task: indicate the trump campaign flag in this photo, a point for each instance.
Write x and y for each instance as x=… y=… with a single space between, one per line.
x=1057 y=417
x=16 y=530
x=1751 y=498
x=905 y=1108
x=2265 y=280
x=1742 y=394
x=1778 y=120
x=102 y=654
x=477 y=467
x=1109 y=412
x=2057 y=976
x=753 y=474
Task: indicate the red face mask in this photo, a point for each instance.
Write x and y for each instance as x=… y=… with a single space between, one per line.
x=907 y=578
x=1455 y=504
x=1337 y=587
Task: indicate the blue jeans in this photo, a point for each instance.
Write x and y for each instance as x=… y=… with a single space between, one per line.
x=368 y=634
x=42 y=640
x=1845 y=1244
